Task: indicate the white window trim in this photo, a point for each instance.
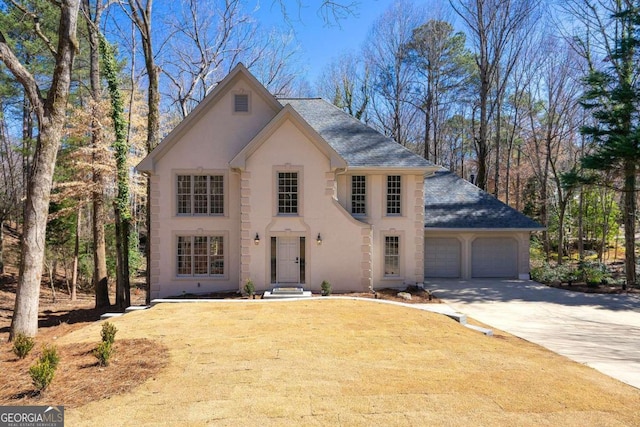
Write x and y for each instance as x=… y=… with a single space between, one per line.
x=385 y=187
x=199 y=233
x=366 y=196
x=401 y=255
x=200 y=171
x=276 y=207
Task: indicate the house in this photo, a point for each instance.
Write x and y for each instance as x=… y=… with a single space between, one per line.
x=289 y=192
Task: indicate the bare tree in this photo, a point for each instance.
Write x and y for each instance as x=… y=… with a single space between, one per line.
x=206 y=43
x=140 y=13
x=386 y=52
x=93 y=15
x=50 y=111
x=496 y=28
x=442 y=64
x=346 y=83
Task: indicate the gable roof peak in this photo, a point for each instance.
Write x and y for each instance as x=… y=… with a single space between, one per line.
x=148 y=163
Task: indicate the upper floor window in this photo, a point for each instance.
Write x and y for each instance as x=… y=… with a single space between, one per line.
x=288 y=193
x=394 y=194
x=200 y=195
x=241 y=103
x=358 y=195
x=200 y=256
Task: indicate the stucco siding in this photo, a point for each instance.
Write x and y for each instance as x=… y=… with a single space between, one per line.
x=288 y=149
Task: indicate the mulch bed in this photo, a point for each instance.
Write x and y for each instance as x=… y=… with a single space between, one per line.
x=595 y=289
x=79 y=379
x=418 y=296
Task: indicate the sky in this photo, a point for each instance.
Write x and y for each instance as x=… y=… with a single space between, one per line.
x=320 y=43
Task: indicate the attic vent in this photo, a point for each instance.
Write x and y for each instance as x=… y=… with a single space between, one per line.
x=241 y=104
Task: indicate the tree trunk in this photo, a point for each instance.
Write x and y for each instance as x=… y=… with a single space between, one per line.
x=121 y=203
x=123 y=288
x=76 y=253
x=496 y=177
x=581 y=225
x=100 y=279
x=142 y=19
x=51 y=117
x=25 y=315
x=629 y=220
x=1 y=247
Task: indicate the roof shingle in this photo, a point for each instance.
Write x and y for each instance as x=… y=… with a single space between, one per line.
x=357 y=143
x=452 y=202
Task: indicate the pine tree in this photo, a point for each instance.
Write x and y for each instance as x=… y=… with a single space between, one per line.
x=613 y=98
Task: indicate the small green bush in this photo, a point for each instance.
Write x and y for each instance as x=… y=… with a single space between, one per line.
x=22 y=345
x=326 y=288
x=44 y=370
x=108 y=332
x=593 y=273
x=545 y=273
x=249 y=288
x=103 y=353
x=50 y=355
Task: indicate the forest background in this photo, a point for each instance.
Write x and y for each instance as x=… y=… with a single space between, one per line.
x=534 y=102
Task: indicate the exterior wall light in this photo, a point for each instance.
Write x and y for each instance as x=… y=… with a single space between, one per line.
x=319 y=239
x=256 y=239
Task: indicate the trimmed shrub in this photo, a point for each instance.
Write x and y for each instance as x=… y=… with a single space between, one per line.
x=326 y=288
x=249 y=288
x=44 y=370
x=50 y=355
x=22 y=345
x=103 y=353
x=108 y=332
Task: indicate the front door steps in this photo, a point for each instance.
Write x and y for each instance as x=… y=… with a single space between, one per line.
x=286 y=292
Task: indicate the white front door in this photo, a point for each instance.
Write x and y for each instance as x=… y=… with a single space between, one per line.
x=288 y=260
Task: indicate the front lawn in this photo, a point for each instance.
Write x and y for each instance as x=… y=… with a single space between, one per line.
x=341 y=362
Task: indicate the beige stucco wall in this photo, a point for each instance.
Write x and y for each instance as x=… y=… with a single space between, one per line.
x=343 y=258
x=466 y=239
x=205 y=147
x=409 y=226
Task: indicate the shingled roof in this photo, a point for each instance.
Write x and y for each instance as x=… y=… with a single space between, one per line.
x=358 y=144
x=454 y=203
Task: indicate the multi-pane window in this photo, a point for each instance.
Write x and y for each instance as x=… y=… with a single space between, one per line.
x=200 y=256
x=200 y=194
x=394 y=195
x=358 y=195
x=392 y=255
x=287 y=192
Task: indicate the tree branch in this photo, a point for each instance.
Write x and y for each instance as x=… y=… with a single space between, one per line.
x=22 y=75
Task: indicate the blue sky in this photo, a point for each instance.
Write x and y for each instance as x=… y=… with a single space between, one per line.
x=320 y=43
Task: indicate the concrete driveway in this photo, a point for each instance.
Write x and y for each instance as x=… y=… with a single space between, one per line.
x=601 y=331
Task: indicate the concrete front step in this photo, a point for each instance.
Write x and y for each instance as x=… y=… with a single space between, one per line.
x=286 y=292
x=110 y=315
x=135 y=308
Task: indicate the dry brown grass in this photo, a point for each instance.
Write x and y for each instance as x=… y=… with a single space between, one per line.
x=339 y=362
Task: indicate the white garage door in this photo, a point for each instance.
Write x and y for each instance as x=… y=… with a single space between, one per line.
x=441 y=257
x=494 y=257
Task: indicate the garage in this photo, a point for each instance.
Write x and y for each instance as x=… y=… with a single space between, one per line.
x=441 y=257
x=494 y=257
